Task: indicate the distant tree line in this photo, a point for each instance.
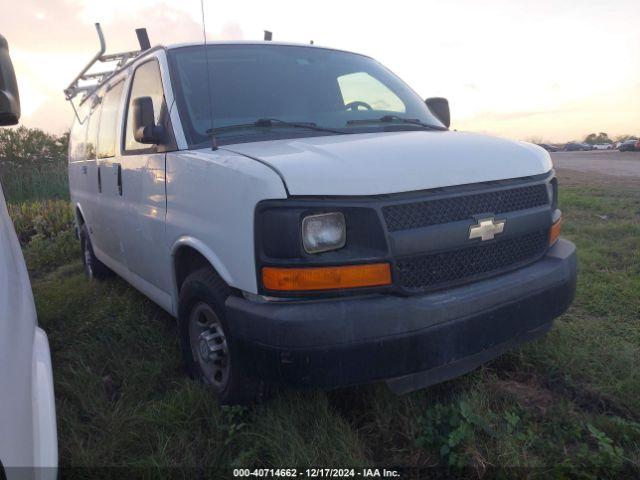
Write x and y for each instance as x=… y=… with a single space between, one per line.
x=25 y=148
x=594 y=138
x=591 y=139
x=602 y=137
x=33 y=164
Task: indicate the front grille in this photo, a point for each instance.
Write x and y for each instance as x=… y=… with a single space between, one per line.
x=443 y=269
x=407 y=216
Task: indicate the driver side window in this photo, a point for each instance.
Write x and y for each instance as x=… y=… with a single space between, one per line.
x=146 y=83
x=362 y=88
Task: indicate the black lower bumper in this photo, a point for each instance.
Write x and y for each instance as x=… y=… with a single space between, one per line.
x=412 y=340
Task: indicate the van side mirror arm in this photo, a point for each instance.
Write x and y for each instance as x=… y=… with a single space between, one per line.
x=9 y=97
x=439 y=106
x=144 y=127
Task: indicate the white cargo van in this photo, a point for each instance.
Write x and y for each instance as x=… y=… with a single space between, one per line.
x=28 y=434
x=310 y=220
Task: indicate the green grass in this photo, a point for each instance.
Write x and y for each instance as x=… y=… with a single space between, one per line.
x=36 y=183
x=568 y=404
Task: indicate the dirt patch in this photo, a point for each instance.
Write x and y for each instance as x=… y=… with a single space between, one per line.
x=589 y=400
x=574 y=178
x=535 y=394
x=620 y=164
x=529 y=395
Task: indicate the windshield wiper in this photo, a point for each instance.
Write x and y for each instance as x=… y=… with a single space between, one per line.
x=395 y=118
x=270 y=122
x=265 y=122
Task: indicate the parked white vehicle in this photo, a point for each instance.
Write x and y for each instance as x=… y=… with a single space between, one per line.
x=27 y=407
x=310 y=220
x=602 y=146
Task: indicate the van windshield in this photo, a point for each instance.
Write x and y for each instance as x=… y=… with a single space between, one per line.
x=241 y=86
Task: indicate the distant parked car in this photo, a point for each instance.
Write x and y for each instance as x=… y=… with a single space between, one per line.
x=638 y=146
x=548 y=148
x=628 y=145
x=602 y=146
x=574 y=147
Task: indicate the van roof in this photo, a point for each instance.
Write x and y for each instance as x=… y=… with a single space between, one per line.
x=174 y=46
x=252 y=42
x=93 y=81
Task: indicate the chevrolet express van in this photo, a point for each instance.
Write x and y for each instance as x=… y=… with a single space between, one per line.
x=310 y=220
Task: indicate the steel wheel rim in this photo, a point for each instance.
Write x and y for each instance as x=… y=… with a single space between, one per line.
x=209 y=345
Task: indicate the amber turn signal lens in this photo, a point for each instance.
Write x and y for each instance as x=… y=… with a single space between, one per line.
x=555 y=231
x=326 y=278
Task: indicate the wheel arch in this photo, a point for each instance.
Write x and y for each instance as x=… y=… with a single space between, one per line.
x=187 y=255
x=80 y=218
x=79 y=214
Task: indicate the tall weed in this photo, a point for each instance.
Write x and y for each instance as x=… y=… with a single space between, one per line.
x=42 y=219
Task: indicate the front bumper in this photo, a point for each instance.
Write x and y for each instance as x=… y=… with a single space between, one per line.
x=416 y=341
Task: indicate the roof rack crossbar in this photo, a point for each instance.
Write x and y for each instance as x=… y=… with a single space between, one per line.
x=89 y=76
x=119 y=56
x=84 y=88
x=96 y=78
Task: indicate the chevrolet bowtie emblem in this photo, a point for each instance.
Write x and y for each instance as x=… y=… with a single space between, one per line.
x=486 y=229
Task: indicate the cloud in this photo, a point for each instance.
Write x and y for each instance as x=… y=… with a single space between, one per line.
x=512 y=68
x=61 y=38
x=52 y=115
x=230 y=31
x=509 y=116
x=613 y=112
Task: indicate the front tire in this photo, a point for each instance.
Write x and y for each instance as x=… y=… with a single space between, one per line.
x=207 y=348
x=94 y=269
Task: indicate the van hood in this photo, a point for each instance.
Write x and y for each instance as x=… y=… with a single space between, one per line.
x=393 y=162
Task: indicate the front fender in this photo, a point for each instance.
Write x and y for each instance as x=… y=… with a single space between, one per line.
x=207 y=253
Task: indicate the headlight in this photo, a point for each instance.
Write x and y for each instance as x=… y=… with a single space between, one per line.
x=552 y=189
x=324 y=232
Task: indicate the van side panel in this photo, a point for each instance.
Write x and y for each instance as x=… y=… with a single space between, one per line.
x=211 y=199
x=82 y=172
x=106 y=241
x=140 y=225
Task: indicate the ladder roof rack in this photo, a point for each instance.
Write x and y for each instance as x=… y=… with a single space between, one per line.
x=88 y=83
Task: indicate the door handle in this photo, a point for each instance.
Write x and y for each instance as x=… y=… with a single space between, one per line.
x=119 y=178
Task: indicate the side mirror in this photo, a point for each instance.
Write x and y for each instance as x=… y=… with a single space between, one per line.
x=9 y=98
x=144 y=127
x=440 y=108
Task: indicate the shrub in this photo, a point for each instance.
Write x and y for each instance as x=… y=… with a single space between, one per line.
x=33 y=164
x=44 y=219
x=450 y=429
x=46 y=254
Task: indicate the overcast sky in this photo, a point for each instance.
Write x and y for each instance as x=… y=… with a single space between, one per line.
x=551 y=69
